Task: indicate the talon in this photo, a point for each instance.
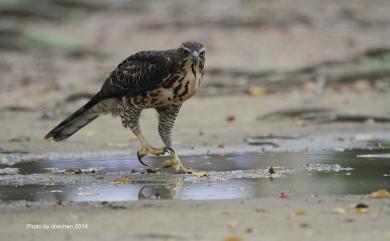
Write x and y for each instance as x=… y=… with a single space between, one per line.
x=140 y=158
x=146 y=149
x=168 y=150
x=175 y=164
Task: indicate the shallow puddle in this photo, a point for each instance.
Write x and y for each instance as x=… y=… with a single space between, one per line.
x=240 y=175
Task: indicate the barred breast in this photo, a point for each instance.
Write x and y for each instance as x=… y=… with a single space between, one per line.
x=181 y=90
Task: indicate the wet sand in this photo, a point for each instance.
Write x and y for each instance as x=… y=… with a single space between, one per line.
x=66 y=55
x=273 y=218
x=202 y=123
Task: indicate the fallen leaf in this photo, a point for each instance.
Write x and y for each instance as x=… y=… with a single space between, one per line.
x=221 y=145
x=337 y=87
x=361 y=208
x=303 y=225
x=260 y=210
x=339 y=210
x=382 y=193
x=200 y=174
x=230 y=118
x=361 y=205
x=233 y=238
x=255 y=91
x=298 y=212
x=283 y=195
x=124 y=180
x=73 y=170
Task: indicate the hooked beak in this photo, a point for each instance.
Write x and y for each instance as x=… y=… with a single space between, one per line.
x=195 y=57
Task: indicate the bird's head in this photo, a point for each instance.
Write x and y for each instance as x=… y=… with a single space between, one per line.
x=192 y=51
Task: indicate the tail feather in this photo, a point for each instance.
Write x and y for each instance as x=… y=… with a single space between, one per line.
x=75 y=122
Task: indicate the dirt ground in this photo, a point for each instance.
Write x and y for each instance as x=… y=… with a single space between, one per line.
x=202 y=123
x=56 y=55
x=309 y=218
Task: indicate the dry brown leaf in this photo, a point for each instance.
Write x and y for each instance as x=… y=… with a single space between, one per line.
x=337 y=87
x=361 y=208
x=283 y=195
x=230 y=118
x=256 y=91
x=382 y=193
x=200 y=174
x=124 y=180
x=298 y=212
x=73 y=170
x=233 y=238
x=260 y=210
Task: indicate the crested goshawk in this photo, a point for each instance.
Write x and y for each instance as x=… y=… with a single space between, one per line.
x=162 y=80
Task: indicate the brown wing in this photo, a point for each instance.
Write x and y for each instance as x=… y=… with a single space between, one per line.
x=137 y=74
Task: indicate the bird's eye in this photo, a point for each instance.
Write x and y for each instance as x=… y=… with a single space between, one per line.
x=202 y=53
x=185 y=51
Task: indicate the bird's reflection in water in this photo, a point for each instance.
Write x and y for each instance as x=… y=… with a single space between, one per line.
x=166 y=191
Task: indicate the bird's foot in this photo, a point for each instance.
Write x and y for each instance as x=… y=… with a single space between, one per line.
x=147 y=149
x=175 y=165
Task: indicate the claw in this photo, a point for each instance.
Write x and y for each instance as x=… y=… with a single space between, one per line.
x=169 y=150
x=140 y=159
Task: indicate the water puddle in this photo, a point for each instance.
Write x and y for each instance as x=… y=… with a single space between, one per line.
x=239 y=175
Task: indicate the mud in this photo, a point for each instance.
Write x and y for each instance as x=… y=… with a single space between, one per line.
x=230 y=176
x=263 y=57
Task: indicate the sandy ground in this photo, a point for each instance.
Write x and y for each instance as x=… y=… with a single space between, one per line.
x=308 y=218
x=37 y=80
x=202 y=123
x=261 y=218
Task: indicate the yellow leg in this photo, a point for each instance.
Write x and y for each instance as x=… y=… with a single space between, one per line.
x=146 y=149
x=175 y=164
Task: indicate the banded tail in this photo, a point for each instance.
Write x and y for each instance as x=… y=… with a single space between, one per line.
x=76 y=121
